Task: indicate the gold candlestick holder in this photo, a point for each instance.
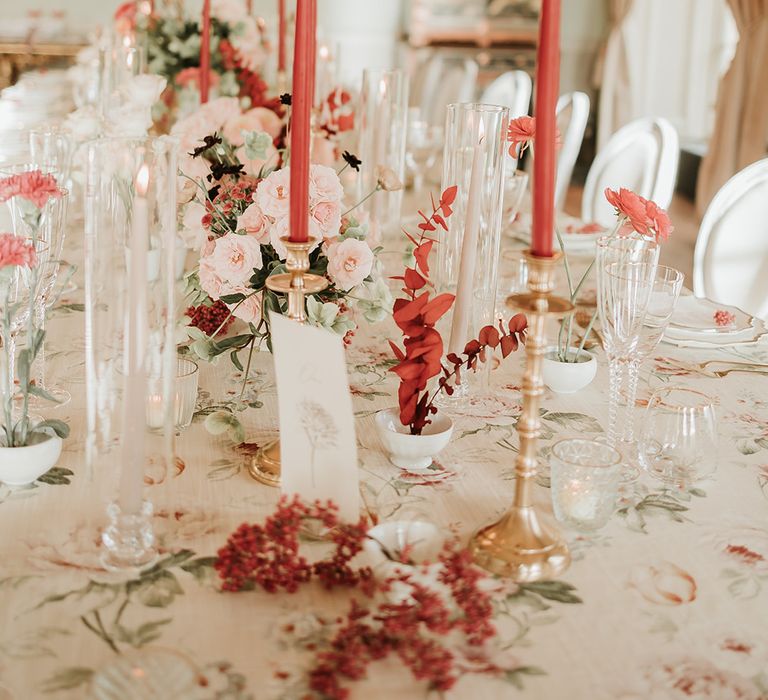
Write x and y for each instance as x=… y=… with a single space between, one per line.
x=296 y=284
x=520 y=545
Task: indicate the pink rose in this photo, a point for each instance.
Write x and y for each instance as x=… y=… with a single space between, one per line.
x=255 y=166
x=281 y=228
x=234 y=259
x=248 y=310
x=324 y=185
x=209 y=279
x=257 y=119
x=629 y=204
x=254 y=223
x=220 y=110
x=323 y=151
x=192 y=223
x=349 y=262
x=273 y=193
x=328 y=217
x=664 y=584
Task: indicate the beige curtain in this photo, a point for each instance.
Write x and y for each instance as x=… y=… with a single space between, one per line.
x=612 y=75
x=740 y=135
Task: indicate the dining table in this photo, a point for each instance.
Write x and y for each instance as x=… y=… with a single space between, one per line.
x=668 y=600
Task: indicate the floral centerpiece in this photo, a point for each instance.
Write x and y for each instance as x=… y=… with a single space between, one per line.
x=236 y=188
x=239 y=49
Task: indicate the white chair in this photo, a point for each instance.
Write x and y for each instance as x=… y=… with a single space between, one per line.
x=730 y=261
x=511 y=89
x=642 y=156
x=446 y=81
x=572 y=116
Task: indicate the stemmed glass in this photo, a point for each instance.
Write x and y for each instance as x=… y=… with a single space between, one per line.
x=626 y=268
x=422 y=148
x=679 y=441
x=667 y=285
x=50 y=233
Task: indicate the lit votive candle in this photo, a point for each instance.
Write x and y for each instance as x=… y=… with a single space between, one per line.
x=585 y=482
x=184 y=397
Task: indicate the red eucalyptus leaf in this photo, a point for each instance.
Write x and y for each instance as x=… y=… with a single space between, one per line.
x=426 y=226
x=399 y=354
x=413 y=280
x=518 y=323
x=434 y=311
x=508 y=345
x=488 y=336
x=472 y=348
x=422 y=255
x=441 y=221
x=449 y=195
x=409 y=309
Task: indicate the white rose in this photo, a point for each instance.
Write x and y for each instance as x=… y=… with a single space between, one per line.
x=143 y=89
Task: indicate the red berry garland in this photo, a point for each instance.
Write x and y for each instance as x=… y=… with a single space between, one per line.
x=414 y=627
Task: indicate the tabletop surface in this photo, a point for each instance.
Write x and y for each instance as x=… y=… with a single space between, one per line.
x=669 y=600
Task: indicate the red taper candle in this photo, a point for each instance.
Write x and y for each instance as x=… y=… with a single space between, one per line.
x=281 y=35
x=544 y=162
x=205 y=52
x=301 y=105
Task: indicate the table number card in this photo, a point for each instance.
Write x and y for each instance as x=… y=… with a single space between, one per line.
x=318 y=449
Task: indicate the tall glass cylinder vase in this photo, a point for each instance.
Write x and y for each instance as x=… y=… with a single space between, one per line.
x=468 y=253
x=119 y=60
x=383 y=113
x=130 y=324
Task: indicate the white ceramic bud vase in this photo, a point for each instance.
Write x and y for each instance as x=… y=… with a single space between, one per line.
x=568 y=377
x=20 y=466
x=414 y=453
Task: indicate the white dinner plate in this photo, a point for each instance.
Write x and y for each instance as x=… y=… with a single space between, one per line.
x=578 y=236
x=694 y=317
x=749 y=336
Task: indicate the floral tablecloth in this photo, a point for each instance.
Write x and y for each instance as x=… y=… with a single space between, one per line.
x=670 y=600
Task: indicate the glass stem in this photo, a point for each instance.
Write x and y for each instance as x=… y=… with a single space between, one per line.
x=38 y=375
x=614 y=398
x=632 y=372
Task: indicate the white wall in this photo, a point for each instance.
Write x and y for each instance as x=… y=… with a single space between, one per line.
x=583 y=25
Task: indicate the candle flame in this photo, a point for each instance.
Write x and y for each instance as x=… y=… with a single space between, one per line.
x=324 y=52
x=383 y=88
x=142 y=181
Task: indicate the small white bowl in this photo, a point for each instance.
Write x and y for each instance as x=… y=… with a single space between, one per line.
x=20 y=466
x=568 y=377
x=414 y=453
x=406 y=546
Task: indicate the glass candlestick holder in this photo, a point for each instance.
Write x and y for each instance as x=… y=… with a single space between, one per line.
x=128 y=539
x=468 y=254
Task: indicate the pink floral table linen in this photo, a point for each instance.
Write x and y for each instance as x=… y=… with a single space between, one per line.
x=669 y=601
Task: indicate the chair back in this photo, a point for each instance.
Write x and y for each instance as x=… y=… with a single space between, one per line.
x=572 y=116
x=641 y=156
x=446 y=81
x=511 y=89
x=730 y=261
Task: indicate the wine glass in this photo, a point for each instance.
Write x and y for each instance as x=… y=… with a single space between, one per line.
x=626 y=268
x=678 y=441
x=422 y=148
x=515 y=186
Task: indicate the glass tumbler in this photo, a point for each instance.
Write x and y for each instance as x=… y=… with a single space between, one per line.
x=678 y=442
x=585 y=476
